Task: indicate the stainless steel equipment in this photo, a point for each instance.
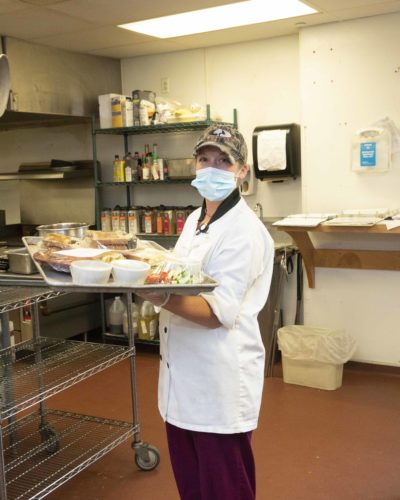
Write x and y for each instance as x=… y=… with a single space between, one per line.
x=181 y=168
x=270 y=317
x=4 y=82
x=77 y=229
x=20 y=262
x=51 y=170
x=54 y=86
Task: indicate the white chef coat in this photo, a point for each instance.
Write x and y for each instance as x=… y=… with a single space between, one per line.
x=211 y=380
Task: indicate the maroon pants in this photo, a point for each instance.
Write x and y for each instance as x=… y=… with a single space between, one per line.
x=210 y=466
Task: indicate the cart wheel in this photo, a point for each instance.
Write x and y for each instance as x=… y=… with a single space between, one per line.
x=147 y=457
x=50 y=437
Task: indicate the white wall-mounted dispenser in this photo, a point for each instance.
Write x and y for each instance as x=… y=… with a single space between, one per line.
x=276 y=152
x=371 y=150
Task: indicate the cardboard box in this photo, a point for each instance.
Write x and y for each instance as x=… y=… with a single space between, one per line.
x=105 y=110
x=312 y=373
x=137 y=96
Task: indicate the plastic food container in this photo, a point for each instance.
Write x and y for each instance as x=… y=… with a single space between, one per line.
x=90 y=272
x=20 y=262
x=177 y=271
x=129 y=272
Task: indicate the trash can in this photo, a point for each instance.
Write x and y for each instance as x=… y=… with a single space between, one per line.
x=313 y=356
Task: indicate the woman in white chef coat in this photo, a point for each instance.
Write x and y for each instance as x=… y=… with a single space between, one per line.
x=212 y=355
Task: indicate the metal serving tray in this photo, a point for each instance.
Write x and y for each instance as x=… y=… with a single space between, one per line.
x=63 y=281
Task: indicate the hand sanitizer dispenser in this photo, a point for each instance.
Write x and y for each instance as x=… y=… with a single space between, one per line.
x=371 y=150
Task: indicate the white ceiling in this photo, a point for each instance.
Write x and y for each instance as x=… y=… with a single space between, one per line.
x=89 y=26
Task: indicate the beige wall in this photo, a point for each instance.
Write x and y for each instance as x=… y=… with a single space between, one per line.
x=349 y=80
x=260 y=79
x=333 y=79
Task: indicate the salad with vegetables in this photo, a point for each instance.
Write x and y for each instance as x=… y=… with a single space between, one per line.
x=175 y=273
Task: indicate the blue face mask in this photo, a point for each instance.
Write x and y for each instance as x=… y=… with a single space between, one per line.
x=214 y=184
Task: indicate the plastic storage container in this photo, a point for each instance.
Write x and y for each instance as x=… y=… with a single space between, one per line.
x=135 y=318
x=314 y=357
x=116 y=316
x=148 y=322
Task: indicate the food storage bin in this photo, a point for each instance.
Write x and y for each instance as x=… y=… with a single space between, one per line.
x=182 y=168
x=20 y=262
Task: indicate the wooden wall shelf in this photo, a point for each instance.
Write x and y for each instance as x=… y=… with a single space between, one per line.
x=386 y=260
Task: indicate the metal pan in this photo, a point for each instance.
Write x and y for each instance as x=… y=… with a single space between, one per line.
x=77 y=229
x=5 y=83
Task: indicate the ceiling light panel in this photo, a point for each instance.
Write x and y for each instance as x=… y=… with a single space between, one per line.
x=219 y=18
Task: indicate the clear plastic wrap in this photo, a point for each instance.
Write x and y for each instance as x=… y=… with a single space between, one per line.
x=176 y=271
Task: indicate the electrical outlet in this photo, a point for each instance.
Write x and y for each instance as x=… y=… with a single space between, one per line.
x=165 y=85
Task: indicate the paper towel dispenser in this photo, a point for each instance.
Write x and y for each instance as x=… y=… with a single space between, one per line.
x=276 y=152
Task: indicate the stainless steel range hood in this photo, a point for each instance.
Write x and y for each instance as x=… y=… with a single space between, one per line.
x=52 y=170
x=55 y=87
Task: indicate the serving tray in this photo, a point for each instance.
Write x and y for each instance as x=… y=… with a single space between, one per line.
x=63 y=281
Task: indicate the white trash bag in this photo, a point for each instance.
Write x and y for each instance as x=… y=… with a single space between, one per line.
x=308 y=343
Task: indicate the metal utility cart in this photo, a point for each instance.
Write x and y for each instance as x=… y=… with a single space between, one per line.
x=40 y=448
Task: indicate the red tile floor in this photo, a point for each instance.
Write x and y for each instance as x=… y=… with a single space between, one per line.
x=310 y=445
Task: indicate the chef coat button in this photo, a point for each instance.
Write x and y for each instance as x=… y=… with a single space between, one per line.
x=168 y=365
x=165 y=329
x=160 y=357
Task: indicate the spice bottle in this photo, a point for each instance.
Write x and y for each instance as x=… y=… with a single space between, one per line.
x=128 y=162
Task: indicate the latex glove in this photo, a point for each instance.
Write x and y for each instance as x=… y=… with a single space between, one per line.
x=159 y=299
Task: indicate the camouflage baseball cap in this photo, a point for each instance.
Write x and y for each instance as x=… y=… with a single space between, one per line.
x=225 y=137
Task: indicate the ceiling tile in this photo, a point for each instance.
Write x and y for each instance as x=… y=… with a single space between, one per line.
x=89 y=26
x=367 y=11
x=254 y=32
x=10 y=6
x=35 y=22
x=156 y=47
x=125 y=11
x=333 y=5
x=93 y=39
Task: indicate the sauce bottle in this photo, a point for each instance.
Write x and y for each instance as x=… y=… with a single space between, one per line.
x=148 y=321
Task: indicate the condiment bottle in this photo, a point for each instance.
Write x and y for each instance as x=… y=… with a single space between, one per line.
x=145 y=170
x=135 y=320
x=136 y=163
x=118 y=169
x=128 y=162
x=148 y=321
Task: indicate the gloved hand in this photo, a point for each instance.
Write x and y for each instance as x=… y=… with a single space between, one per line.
x=159 y=299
